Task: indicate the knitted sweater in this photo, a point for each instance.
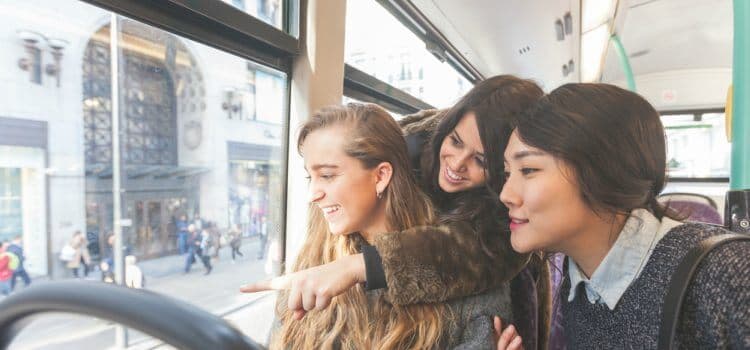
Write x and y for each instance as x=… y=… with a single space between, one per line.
x=716 y=309
x=469 y=320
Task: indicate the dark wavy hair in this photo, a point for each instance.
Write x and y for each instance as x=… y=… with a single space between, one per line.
x=611 y=138
x=496 y=102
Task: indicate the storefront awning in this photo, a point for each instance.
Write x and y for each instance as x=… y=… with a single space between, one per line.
x=146 y=171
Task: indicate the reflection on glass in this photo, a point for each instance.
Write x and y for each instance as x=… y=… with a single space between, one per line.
x=268 y=11
x=395 y=55
x=697 y=145
x=201 y=134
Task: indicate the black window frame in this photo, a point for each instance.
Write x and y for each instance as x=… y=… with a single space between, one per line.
x=365 y=87
x=219 y=25
x=694 y=112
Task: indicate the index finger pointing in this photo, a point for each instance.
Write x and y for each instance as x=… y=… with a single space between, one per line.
x=277 y=283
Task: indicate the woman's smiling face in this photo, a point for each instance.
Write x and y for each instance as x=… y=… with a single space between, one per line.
x=462 y=163
x=339 y=184
x=545 y=205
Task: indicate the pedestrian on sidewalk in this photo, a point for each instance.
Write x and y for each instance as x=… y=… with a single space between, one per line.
x=215 y=238
x=81 y=256
x=263 y=235
x=107 y=265
x=235 y=240
x=5 y=271
x=205 y=244
x=196 y=244
x=134 y=277
x=198 y=222
x=182 y=234
x=16 y=247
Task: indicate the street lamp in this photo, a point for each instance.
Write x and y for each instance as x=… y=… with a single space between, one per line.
x=33 y=61
x=57 y=46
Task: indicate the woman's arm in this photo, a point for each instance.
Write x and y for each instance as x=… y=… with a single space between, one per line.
x=423 y=264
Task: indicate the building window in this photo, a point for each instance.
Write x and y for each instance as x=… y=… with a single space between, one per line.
x=148 y=97
x=11 y=211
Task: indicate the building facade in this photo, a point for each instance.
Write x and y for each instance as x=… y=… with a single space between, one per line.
x=201 y=132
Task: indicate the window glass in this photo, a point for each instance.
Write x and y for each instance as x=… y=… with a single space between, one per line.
x=201 y=139
x=378 y=44
x=269 y=11
x=697 y=145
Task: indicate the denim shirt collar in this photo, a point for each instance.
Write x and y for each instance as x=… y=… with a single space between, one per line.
x=624 y=261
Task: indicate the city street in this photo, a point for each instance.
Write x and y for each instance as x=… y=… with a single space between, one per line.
x=217 y=293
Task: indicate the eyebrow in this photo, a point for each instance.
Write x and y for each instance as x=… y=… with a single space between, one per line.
x=316 y=167
x=455 y=133
x=524 y=154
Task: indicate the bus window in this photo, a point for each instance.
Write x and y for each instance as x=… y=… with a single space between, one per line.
x=396 y=56
x=201 y=140
x=697 y=145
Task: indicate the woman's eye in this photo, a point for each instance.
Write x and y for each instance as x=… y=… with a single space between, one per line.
x=454 y=141
x=327 y=176
x=480 y=161
x=527 y=171
x=308 y=178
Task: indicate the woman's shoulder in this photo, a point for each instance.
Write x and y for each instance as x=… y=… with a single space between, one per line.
x=723 y=276
x=422 y=121
x=496 y=301
x=689 y=234
x=726 y=270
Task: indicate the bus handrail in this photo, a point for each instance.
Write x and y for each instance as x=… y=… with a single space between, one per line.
x=175 y=322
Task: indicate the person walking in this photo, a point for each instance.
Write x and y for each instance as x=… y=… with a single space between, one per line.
x=196 y=243
x=81 y=256
x=134 y=277
x=5 y=271
x=182 y=234
x=235 y=241
x=202 y=252
x=16 y=247
x=263 y=237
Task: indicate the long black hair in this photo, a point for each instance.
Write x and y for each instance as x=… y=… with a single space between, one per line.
x=496 y=102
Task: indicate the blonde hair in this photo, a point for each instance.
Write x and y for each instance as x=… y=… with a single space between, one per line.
x=351 y=322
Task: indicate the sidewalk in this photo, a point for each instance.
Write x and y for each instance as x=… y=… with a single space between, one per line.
x=217 y=293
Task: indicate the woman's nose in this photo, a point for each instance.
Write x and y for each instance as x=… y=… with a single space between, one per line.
x=315 y=195
x=508 y=195
x=461 y=162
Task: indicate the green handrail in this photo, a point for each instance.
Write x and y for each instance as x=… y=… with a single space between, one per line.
x=624 y=61
x=740 y=166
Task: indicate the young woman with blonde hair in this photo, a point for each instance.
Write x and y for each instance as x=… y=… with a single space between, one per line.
x=361 y=186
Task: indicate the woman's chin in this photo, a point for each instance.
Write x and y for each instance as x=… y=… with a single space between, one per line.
x=520 y=246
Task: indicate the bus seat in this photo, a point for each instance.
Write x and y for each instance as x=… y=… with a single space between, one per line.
x=693 y=207
x=696 y=211
x=687 y=197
